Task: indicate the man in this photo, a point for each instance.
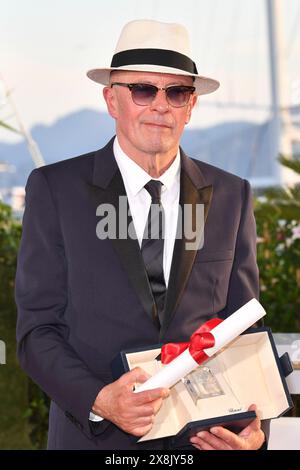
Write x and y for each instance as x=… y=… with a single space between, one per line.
x=83 y=298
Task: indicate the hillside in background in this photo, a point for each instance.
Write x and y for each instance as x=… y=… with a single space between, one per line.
x=238 y=147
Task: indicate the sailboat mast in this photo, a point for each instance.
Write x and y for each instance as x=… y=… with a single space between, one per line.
x=282 y=132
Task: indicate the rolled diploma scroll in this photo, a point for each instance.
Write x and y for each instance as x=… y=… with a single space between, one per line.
x=223 y=334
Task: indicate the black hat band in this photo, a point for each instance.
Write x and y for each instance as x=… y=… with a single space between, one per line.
x=161 y=57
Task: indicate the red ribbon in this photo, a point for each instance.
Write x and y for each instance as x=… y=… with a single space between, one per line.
x=201 y=339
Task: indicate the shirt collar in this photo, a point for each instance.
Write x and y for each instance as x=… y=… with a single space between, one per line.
x=135 y=177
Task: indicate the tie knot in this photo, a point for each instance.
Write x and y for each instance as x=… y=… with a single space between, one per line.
x=154 y=189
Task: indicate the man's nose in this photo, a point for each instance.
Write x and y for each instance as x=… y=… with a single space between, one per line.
x=160 y=102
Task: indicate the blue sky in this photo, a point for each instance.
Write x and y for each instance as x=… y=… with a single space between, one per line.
x=46 y=46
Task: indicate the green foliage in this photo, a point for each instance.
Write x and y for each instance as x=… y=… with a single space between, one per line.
x=292 y=163
x=278 y=255
x=8 y=127
x=4 y=124
x=14 y=429
x=283 y=202
x=37 y=415
x=23 y=407
x=278 y=252
x=10 y=233
x=277 y=216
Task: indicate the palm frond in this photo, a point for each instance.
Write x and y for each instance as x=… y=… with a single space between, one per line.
x=8 y=127
x=292 y=163
x=272 y=193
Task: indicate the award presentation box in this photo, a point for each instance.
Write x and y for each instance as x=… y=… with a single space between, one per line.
x=218 y=392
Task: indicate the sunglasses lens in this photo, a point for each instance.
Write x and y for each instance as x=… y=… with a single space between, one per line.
x=143 y=94
x=178 y=96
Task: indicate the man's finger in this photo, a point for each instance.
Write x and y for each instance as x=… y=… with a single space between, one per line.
x=141 y=430
x=229 y=437
x=143 y=421
x=143 y=410
x=135 y=375
x=156 y=404
x=201 y=444
x=211 y=440
x=255 y=425
x=150 y=395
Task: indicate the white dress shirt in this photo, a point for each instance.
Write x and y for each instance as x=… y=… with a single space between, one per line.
x=139 y=200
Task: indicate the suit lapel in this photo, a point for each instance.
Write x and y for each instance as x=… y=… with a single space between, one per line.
x=193 y=191
x=107 y=188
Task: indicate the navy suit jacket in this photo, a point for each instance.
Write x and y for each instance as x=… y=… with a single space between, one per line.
x=82 y=300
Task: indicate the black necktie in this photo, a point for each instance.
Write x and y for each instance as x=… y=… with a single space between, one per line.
x=153 y=249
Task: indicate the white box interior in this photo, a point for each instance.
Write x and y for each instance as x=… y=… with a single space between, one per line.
x=247 y=372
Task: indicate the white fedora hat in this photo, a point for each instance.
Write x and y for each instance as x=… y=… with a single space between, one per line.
x=153 y=46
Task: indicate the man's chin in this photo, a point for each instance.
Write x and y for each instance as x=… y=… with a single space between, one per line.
x=157 y=147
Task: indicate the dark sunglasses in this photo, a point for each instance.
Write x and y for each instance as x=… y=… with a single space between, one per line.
x=143 y=94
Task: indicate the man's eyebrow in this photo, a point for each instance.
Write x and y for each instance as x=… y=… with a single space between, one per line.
x=178 y=84
x=147 y=82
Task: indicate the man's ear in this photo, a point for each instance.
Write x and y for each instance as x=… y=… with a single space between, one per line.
x=111 y=101
x=190 y=107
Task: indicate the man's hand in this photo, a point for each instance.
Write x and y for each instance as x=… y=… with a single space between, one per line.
x=219 y=438
x=132 y=412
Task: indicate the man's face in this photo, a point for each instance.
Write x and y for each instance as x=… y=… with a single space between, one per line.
x=151 y=129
